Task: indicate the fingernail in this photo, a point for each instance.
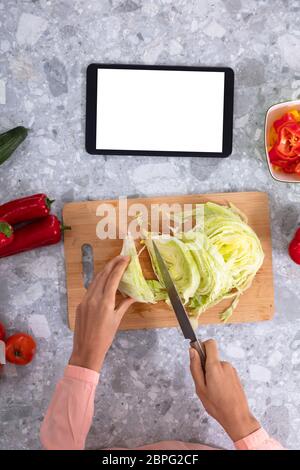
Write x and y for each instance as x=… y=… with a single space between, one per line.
x=192 y=353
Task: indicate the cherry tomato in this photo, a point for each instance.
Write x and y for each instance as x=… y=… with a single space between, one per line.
x=20 y=349
x=294 y=247
x=2 y=332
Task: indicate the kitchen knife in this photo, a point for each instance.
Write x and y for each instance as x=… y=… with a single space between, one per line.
x=178 y=307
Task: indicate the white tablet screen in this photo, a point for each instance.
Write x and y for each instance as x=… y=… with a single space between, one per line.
x=160 y=110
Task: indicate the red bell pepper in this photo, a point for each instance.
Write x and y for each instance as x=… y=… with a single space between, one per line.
x=2 y=332
x=6 y=234
x=294 y=247
x=26 y=209
x=286 y=118
x=286 y=164
x=46 y=231
x=288 y=143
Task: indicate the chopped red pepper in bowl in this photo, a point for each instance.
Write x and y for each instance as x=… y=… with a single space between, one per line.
x=285 y=152
x=283 y=141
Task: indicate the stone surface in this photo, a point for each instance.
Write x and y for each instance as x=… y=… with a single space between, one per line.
x=30 y=28
x=146 y=392
x=2 y=92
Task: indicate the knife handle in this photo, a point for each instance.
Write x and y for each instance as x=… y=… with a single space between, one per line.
x=198 y=346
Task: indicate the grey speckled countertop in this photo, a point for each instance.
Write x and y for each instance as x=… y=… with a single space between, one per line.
x=146 y=392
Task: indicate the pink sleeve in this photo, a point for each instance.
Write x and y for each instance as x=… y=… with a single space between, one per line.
x=258 y=440
x=70 y=413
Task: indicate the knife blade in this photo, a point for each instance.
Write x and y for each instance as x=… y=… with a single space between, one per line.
x=178 y=307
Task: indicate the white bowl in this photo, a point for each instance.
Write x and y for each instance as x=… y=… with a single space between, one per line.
x=273 y=113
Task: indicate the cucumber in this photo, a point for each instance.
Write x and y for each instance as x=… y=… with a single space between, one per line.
x=10 y=140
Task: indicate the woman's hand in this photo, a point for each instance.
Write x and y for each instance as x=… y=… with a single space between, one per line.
x=221 y=393
x=98 y=318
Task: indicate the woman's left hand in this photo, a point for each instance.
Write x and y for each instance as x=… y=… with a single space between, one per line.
x=98 y=317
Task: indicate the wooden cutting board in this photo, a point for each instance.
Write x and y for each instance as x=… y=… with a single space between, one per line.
x=256 y=304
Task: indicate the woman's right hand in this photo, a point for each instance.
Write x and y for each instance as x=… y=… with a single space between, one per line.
x=221 y=392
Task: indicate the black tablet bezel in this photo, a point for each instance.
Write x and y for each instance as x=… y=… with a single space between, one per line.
x=91 y=111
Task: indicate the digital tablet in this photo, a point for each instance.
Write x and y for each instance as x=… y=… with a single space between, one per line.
x=159 y=110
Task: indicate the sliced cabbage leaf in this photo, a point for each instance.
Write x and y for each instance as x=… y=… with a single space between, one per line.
x=226 y=314
x=158 y=290
x=180 y=263
x=215 y=278
x=133 y=282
